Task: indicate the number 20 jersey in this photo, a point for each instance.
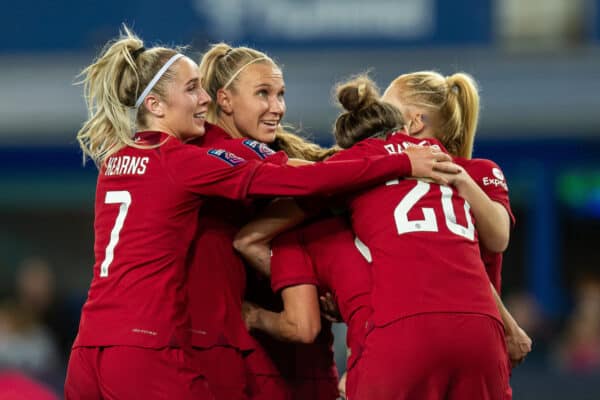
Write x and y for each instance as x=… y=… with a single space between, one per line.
x=423 y=242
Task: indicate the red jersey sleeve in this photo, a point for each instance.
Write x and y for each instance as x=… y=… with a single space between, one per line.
x=290 y=264
x=328 y=177
x=210 y=172
x=250 y=149
x=488 y=175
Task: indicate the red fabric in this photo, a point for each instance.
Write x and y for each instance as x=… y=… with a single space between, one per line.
x=16 y=386
x=127 y=372
x=217 y=277
x=324 y=253
x=435 y=356
x=425 y=253
x=142 y=300
x=490 y=178
x=224 y=370
x=269 y=387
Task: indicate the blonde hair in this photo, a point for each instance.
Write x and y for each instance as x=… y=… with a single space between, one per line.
x=112 y=84
x=364 y=114
x=455 y=99
x=298 y=147
x=220 y=67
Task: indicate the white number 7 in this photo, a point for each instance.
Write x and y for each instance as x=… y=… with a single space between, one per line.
x=122 y=197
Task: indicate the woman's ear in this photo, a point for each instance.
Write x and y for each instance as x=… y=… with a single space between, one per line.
x=224 y=101
x=417 y=123
x=154 y=106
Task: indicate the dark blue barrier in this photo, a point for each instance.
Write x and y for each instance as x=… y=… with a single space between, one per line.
x=72 y=25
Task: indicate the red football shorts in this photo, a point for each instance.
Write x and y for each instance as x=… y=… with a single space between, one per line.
x=449 y=356
x=224 y=370
x=127 y=372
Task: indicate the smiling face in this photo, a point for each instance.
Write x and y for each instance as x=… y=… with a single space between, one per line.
x=254 y=105
x=186 y=104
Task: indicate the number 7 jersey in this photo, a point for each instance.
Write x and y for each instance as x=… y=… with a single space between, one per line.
x=423 y=242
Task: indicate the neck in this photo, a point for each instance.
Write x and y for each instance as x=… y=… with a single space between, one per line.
x=228 y=126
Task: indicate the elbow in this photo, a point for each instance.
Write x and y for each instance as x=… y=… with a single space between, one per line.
x=499 y=244
x=242 y=243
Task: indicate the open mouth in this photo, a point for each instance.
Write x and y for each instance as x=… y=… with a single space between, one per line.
x=271 y=123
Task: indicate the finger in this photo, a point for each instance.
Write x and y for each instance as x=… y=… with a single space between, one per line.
x=441 y=157
x=328 y=317
x=446 y=166
x=437 y=178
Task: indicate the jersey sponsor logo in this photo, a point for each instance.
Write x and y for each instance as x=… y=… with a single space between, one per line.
x=226 y=157
x=498 y=174
x=126 y=165
x=259 y=148
x=494 y=181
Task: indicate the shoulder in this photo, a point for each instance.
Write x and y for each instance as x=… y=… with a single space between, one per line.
x=481 y=167
x=361 y=149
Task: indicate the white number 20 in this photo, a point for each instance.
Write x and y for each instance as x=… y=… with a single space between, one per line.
x=123 y=198
x=429 y=222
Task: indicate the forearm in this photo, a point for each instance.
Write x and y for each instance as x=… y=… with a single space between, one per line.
x=510 y=324
x=491 y=218
x=253 y=241
x=276 y=325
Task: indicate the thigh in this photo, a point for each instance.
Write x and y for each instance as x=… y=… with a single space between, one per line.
x=127 y=372
x=81 y=382
x=224 y=370
x=481 y=365
x=399 y=362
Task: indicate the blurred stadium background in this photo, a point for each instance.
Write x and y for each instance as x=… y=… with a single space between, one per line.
x=538 y=66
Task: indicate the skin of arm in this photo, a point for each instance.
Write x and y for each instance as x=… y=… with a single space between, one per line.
x=300 y=320
x=253 y=240
x=491 y=218
x=518 y=343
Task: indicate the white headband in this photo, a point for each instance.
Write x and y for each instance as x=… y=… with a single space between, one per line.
x=155 y=79
x=241 y=69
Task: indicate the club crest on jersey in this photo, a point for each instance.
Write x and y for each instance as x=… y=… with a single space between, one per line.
x=226 y=156
x=498 y=174
x=259 y=148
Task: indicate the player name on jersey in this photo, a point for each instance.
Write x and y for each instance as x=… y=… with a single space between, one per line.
x=398 y=148
x=126 y=165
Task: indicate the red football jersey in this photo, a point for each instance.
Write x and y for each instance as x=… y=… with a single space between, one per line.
x=146 y=206
x=145 y=217
x=217 y=276
x=423 y=242
x=324 y=253
x=490 y=178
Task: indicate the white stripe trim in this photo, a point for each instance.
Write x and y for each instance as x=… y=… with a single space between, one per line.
x=155 y=79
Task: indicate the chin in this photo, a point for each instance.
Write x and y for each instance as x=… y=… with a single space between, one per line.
x=268 y=137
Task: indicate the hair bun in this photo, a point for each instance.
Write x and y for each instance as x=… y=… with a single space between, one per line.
x=357 y=93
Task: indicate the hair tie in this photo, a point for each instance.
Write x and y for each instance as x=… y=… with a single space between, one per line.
x=155 y=79
x=243 y=67
x=137 y=52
